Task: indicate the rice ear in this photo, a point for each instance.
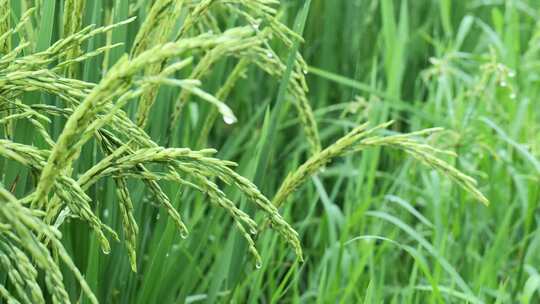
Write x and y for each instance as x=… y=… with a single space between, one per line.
x=361 y=138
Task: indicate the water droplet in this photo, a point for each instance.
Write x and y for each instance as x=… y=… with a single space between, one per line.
x=229 y=119
x=304 y=71
x=503 y=84
x=253 y=231
x=106 y=213
x=511 y=74
x=157 y=216
x=184 y=234
x=167 y=255
x=258 y=265
x=269 y=55
x=513 y=96
x=255 y=25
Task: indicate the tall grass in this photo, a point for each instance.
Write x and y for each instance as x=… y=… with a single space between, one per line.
x=172 y=151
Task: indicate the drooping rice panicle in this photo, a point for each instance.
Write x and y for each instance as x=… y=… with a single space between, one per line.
x=23 y=228
x=65 y=188
x=163 y=16
x=360 y=139
x=72 y=24
x=5 y=9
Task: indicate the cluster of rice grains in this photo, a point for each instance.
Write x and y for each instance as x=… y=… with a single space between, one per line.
x=29 y=238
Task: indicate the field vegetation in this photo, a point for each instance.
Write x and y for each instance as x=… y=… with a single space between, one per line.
x=266 y=151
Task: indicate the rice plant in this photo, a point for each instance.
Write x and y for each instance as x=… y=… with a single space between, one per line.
x=159 y=133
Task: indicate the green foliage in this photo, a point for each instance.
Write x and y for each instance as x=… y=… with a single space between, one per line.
x=108 y=110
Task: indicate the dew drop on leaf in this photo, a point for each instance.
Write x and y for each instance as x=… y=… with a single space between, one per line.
x=184 y=235
x=229 y=119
